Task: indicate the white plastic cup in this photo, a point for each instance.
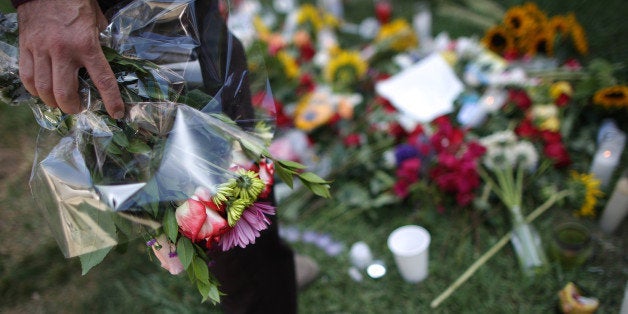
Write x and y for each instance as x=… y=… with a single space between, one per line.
x=410 y=247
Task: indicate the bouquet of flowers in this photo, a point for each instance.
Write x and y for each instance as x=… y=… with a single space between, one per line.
x=187 y=168
x=506 y=161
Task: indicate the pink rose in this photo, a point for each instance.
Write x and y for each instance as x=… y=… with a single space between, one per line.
x=200 y=220
x=166 y=253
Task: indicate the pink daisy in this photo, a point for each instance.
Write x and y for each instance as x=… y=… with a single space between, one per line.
x=248 y=228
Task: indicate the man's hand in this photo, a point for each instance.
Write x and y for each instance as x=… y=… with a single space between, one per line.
x=57 y=38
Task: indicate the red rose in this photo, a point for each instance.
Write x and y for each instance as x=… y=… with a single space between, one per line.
x=307 y=52
x=557 y=152
x=526 y=129
x=200 y=222
x=520 y=98
x=562 y=100
x=353 y=140
x=550 y=137
x=407 y=174
x=306 y=84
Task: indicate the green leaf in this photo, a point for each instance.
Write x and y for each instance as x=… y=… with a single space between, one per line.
x=311 y=177
x=204 y=289
x=254 y=149
x=185 y=250
x=285 y=175
x=318 y=189
x=291 y=164
x=138 y=147
x=214 y=294
x=201 y=272
x=123 y=225
x=89 y=260
x=114 y=149
x=171 y=228
x=120 y=139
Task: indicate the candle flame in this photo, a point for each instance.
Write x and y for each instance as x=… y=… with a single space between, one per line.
x=490 y=100
x=607 y=154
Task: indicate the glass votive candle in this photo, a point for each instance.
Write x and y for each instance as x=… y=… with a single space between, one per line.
x=571 y=244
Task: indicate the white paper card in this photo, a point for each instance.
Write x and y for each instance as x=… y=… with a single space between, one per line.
x=424 y=90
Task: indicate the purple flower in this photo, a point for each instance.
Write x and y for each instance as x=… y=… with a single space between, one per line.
x=405 y=151
x=248 y=228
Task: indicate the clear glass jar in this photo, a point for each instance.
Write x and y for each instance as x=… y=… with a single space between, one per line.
x=571 y=244
x=527 y=245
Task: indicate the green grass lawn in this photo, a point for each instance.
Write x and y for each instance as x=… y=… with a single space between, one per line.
x=35 y=278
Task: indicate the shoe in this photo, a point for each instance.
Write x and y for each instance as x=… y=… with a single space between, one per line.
x=306 y=270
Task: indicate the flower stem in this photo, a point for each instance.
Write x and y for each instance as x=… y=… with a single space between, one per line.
x=494 y=249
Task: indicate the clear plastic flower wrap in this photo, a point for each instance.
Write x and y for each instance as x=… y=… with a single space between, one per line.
x=187 y=168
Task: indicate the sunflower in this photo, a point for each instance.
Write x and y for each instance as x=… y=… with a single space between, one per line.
x=590 y=186
x=517 y=21
x=560 y=25
x=541 y=43
x=345 y=68
x=533 y=12
x=614 y=96
x=498 y=40
x=579 y=37
x=290 y=65
x=398 y=34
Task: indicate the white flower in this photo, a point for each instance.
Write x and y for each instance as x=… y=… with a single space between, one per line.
x=499 y=139
x=525 y=155
x=498 y=158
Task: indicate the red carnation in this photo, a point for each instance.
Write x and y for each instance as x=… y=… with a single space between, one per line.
x=557 y=152
x=526 y=129
x=562 y=100
x=353 y=140
x=520 y=98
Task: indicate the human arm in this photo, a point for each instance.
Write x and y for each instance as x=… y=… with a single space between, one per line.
x=56 y=39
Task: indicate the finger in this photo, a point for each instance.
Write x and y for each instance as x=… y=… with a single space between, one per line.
x=26 y=68
x=101 y=74
x=65 y=86
x=43 y=79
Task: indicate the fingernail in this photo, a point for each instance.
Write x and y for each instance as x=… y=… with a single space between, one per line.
x=118 y=115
